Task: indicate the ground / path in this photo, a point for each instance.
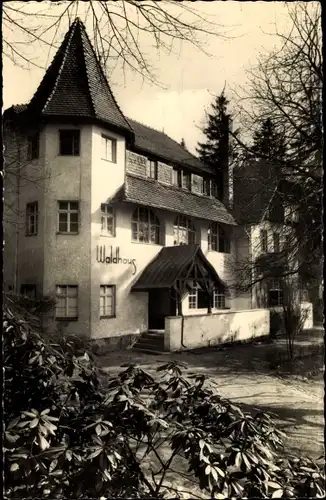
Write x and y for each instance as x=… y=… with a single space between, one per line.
x=242 y=373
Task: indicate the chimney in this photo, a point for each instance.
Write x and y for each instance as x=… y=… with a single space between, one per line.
x=182 y=143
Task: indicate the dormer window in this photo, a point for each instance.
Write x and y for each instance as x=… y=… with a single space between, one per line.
x=152 y=173
x=177 y=177
x=69 y=142
x=186 y=181
x=210 y=188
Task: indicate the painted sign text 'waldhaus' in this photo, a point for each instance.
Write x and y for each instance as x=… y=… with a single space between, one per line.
x=113 y=257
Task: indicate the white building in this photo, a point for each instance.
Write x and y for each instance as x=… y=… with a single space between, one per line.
x=115 y=220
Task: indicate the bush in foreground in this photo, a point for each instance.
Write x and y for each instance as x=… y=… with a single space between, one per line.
x=70 y=433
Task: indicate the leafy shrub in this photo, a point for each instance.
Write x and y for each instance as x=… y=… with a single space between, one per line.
x=71 y=433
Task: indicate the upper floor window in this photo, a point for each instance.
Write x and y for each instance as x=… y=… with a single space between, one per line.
x=69 y=142
x=184 y=232
x=109 y=149
x=152 y=169
x=210 y=188
x=186 y=180
x=33 y=146
x=177 y=177
x=276 y=242
x=264 y=240
x=67 y=307
x=218 y=238
x=145 y=226
x=107 y=220
x=32 y=218
x=275 y=293
x=68 y=217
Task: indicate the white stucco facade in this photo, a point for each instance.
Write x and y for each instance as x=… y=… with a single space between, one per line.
x=48 y=258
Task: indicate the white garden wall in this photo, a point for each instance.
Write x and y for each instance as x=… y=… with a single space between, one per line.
x=216 y=328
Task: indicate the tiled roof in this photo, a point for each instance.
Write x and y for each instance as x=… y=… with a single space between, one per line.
x=154 y=194
x=75 y=85
x=159 y=144
x=168 y=265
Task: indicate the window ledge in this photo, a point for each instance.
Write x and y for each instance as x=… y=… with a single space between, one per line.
x=147 y=243
x=67 y=154
x=107 y=235
x=66 y=319
x=109 y=161
x=108 y=317
x=33 y=234
x=217 y=251
x=72 y=234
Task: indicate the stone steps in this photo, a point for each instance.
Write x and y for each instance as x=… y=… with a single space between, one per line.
x=150 y=342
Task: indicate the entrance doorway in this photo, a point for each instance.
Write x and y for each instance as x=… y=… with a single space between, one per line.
x=160 y=304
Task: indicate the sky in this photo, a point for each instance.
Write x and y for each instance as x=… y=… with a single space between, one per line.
x=189 y=78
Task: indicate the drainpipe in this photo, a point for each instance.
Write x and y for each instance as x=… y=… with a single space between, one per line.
x=182 y=322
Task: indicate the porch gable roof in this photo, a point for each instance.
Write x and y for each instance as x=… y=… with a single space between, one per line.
x=170 y=264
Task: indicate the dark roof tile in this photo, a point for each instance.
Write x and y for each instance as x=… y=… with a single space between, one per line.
x=167 y=266
x=159 y=144
x=154 y=194
x=75 y=85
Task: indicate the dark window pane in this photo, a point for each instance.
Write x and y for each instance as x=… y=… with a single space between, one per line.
x=63 y=205
x=69 y=142
x=74 y=205
x=74 y=217
x=74 y=227
x=203 y=301
x=134 y=231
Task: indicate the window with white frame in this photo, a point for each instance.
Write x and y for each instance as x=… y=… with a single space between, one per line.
x=276 y=242
x=184 y=232
x=186 y=180
x=109 y=149
x=69 y=142
x=33 y=146
x=219 y=299
x=145 y=226
x=275 y=293
x=218 y=238
x=198 y=297
x=67 y=302
x=264 y=240
x=32 y=218
x=177 y=177
x=107 y=301
x=193 y=298
x=68 y=217
x=207 y=187
x=152 y=169
x=107 y=220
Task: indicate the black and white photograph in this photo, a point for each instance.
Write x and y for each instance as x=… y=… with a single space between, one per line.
x=163 y=327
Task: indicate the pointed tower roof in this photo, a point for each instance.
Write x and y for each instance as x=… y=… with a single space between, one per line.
x=74 y=84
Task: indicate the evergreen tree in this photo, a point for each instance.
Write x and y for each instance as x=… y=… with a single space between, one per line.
x=219 y=149
x=268 y=142
x=211 y=150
